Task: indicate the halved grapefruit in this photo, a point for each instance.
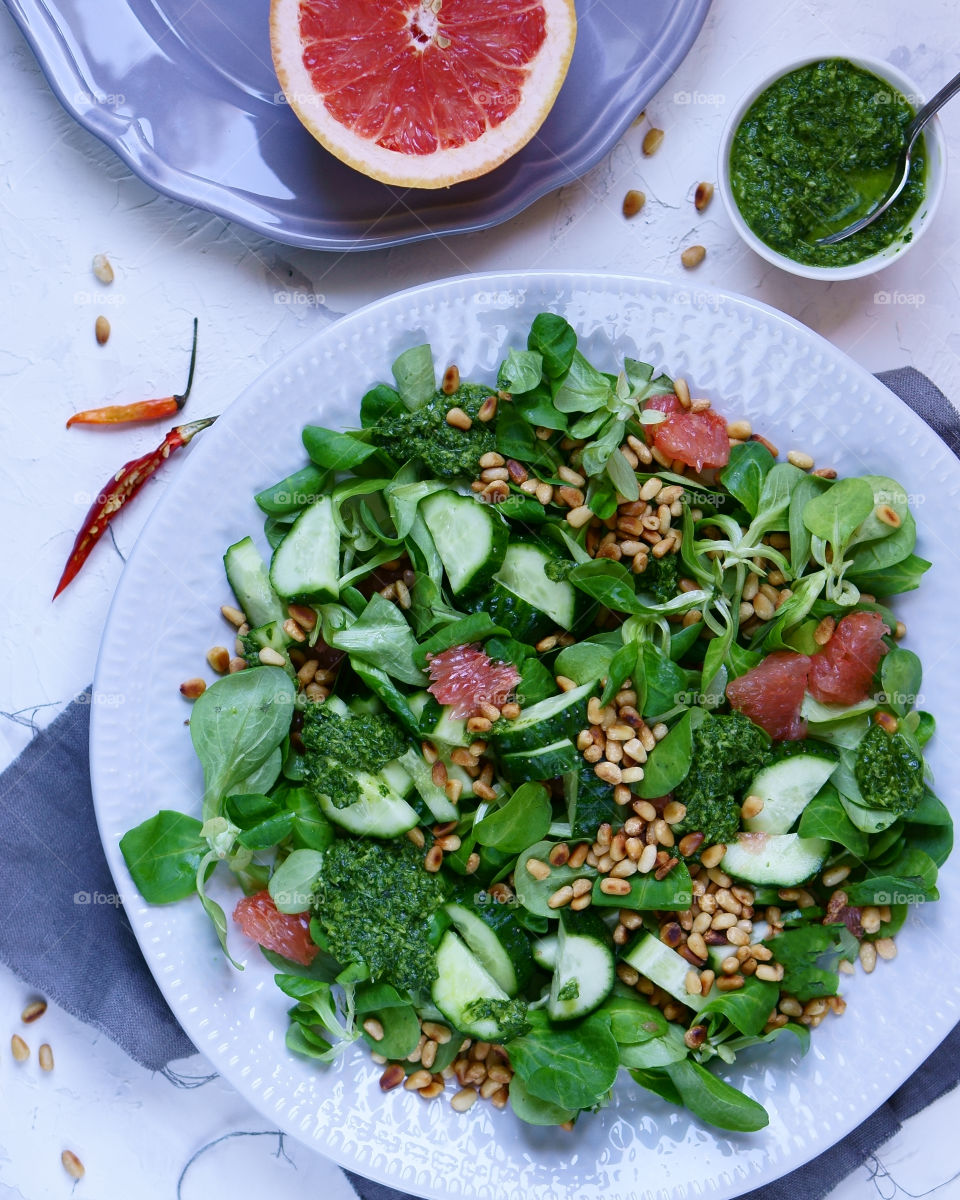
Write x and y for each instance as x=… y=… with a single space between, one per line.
x=422 y=93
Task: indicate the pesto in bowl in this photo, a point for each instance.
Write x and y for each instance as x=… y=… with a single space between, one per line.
x=815 y=151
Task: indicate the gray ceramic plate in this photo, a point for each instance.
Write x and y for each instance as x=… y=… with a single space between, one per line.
x=186 y=94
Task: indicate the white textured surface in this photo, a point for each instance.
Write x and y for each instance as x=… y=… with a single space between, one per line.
x=64 y=198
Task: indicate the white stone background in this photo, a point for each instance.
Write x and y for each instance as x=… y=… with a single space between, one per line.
x=63 y=197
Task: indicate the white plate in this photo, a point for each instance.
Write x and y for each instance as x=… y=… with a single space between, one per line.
x=755 y=363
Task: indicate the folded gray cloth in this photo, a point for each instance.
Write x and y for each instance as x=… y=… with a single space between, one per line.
x=66 y=935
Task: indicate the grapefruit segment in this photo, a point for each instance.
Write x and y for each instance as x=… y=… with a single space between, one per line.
x=698 y=439
x=771 y=693
x=842 y=672
x=283 y=933
x=422 y=93
x=464 y=677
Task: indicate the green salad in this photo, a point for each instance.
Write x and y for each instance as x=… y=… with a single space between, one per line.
x=568 y=733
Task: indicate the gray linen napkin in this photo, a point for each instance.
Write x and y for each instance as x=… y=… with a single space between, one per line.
x=66 y=935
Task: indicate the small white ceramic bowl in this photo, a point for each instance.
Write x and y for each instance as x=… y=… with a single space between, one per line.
x=935 y=177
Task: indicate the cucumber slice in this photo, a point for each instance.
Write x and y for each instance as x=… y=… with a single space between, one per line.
x=546 y=952
x=469 y=536
x=543 y=723
x=379 y=812
x=496 y=938
x=584 y=976
x=549 y=762
x=523 y=573
x=438 y=723
x=786 y=788
x=433 y=796
x=396 y=778
x=306 y=564
x=461 y=981
x=526 y=623
x=784 y=859
x=248 y=577
x=664 y=967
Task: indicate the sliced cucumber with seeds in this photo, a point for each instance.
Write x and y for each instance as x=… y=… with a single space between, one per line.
x=523 y=573
x=548 y=762
x=784 y=859
x=248 y=577
x=664 y=967
x=583 y=978
x=306 y=564
x=495 y=936
x=462 y=982
x=543 y=723
x=470 y=538
x=786 y=788
x=379 y=812
x=546 y=951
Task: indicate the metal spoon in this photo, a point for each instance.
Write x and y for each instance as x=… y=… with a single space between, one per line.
x=902 y=170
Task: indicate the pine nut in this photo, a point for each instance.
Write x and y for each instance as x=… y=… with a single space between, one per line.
x=537 y=868
x=693 y=256
x=834 y=876
x=631 y=774
x=751 y=807
x=271 y=658
x=741 y=430
x=712 y=855
x=559 y=854
x=458 y=419
x=578 y=517
x=71 y=1164
x=886 y=948
x=102 y=268
x=702 y=196
x=633 y=202
x=374 y=1028
x=464 y=1100
x=674 y=812
x=651 y=141
x=192 y=689
x=392 y=1077
x=438 y=1033
x=19 y=1048
x=697 y=944
x=799 y=459
x=868 y=956
x=561 y=897
x=614 y=887
x=609 y=772
x=33 y=1011
x=488 y=409
x=730 y=983
x=433 y=860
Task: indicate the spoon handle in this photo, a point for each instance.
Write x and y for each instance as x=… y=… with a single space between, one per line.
x=946 y=93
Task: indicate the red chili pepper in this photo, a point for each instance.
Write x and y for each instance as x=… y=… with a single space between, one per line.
x=122 y=487
x=145 y=410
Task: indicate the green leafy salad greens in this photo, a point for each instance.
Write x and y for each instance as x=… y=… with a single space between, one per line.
x=527 y=693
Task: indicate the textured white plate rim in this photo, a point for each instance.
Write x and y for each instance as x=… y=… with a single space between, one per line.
x=102 y=716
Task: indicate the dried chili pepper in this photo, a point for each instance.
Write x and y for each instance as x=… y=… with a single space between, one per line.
x=122 y=487
x=144 y=410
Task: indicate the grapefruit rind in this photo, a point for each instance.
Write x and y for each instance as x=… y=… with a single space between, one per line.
x=443 y=167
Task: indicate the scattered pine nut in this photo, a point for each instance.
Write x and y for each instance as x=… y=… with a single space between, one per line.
x=45 y=1057
x=459 y=419
x=464 y=1100
x=652 y=140
x=693 y=256
x=392 y=1077
x=219 y=659
x=741 y=430
x=271 y=658
x=193 y=689
x=374 y=1028
x=451 y=380
x=799 y=459
x=633 y=202
x=102 y=268
x=889 y=516
x=702 y=196
x=33 y=1011
x=19 y=1048
x=233 y=615
x=72 y=1165
x=101 y=330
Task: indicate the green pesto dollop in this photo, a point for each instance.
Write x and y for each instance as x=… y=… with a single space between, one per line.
x=424 y=434
x=376 y=905
x=815 y=152
x=889 y=773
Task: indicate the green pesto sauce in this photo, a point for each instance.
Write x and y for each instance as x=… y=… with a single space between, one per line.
x=816 y=151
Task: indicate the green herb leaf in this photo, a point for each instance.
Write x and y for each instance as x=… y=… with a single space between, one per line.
x=520 y=371
x=163 y=854
x=522 y=820
x=335 y=451
x=555 y=341
x=573 y=1067
x=743 y=476
x=415 y=376
x=714 y=1101
x=747 y=1008
x=237 y=726
x=381 y=637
